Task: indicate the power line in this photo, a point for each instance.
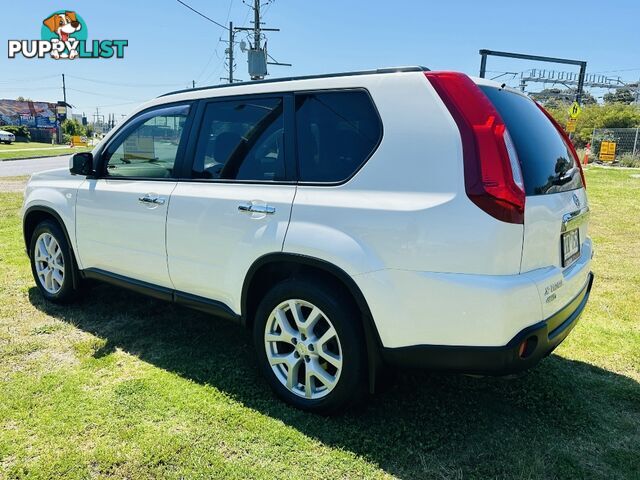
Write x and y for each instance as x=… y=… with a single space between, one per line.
x=621 y=70
x=32 y=88
x=258 y=57
x=132 y=85
x=221 y=65
x=202 y=15
x=215 y=50
x=29 y=79
x=118 y=104
x=101 y=94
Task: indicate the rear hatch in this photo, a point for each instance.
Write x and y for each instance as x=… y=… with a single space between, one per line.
x=556 y=207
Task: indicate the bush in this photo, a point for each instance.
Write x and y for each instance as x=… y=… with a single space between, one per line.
x=73 y=127
x=628 y=160
x=20 y=131
x=614 y=115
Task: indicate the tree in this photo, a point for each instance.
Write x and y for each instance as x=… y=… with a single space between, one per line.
x=611 y=115
x=622 y=95
x=72 y=127
x=22 y=99
x=555 y=97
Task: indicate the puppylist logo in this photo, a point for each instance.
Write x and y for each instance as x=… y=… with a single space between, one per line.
x=63 y=35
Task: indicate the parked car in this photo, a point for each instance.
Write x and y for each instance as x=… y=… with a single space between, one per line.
x=7 y=137
x=353 y=221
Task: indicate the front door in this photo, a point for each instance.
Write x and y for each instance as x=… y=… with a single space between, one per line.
x=121 y=215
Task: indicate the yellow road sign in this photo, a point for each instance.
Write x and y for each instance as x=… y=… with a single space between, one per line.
x=574 y=110
x=607 y=151
x=78 y=141
x=571 y=125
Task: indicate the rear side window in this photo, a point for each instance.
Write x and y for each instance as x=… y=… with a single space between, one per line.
x=242 y=140
x=336 y=133
x=547 y=163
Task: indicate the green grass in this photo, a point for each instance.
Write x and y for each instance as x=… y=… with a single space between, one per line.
x=15 y=155
x=23 y=145
x=123 y=386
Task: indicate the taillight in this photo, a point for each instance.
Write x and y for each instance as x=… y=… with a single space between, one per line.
x=492 y=175
x=567 y=140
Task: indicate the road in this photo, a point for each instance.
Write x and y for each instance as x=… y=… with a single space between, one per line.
x=16 y=168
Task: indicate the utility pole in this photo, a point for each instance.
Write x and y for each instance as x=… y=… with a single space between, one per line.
x=193 y=84
x=256 y=24
x=230 y=54
x=64 y=91
x=258 y=58
x=231 y=40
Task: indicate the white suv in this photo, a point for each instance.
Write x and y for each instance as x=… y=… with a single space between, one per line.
x=352 y=221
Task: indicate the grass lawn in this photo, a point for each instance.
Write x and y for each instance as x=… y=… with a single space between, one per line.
x=15 y=153
x=128 y=387
x=25 y=145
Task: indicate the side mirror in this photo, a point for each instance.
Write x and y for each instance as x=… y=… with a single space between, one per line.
x=82 y=164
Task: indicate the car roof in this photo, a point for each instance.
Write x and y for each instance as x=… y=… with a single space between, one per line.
x=415 y=68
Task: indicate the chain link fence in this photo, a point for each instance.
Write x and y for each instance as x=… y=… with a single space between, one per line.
x=626 y=143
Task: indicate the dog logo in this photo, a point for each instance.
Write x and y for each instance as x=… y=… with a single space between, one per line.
x=64 y=25
x=63 y=35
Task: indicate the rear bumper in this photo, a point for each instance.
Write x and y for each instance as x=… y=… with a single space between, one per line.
x=541 y=339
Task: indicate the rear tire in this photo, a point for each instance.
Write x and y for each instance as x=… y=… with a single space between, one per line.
x=52 y=263
x=311 y=346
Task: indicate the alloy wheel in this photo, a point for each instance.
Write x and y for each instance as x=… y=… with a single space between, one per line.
x=49 y=263
x=303 y=349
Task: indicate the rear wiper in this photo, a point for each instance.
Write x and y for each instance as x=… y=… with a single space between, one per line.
x=562 y=180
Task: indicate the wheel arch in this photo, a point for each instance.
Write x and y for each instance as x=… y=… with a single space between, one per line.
x=36 y=214
x=272 y=268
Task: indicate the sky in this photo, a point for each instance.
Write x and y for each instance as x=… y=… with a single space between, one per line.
x=170 y=46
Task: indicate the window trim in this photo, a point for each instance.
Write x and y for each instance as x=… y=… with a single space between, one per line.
x=185 y=157
x=134 y=122
x=368 y=157
x=289 y=154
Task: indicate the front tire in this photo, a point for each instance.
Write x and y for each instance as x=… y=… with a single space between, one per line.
x=311 y=346
x=52 y=263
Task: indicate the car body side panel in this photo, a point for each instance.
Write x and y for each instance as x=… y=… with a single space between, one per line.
x=56 y=190
x=407 y=207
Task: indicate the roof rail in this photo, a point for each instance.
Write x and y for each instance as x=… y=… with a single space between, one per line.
x=304 y=77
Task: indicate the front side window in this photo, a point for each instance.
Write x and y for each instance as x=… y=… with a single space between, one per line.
x=151 y=148
x=336 y=134
x=242 y=140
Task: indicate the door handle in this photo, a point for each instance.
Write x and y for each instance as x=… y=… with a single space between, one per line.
x=250 y=207
x=148 y=199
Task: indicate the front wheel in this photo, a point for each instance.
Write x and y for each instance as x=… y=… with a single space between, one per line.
x=52 y=263
x=311 y=346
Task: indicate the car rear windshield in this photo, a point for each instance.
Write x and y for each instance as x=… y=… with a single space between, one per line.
x=547 y=163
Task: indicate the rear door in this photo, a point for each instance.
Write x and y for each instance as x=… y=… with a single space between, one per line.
x=556 y=207
x=237 y=204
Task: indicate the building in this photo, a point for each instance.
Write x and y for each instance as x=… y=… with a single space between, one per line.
x=39 y=117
